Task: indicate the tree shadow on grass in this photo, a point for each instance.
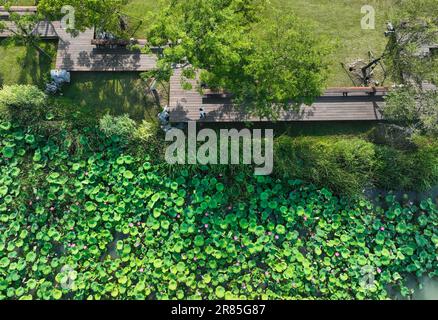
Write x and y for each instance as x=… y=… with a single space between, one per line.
x=110 y=92
x=36 y=65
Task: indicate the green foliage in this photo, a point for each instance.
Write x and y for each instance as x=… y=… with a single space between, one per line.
x=407 y=170
x=288 y=63
x=350 y=165
x=119 y=126
x=24 y=103
x=87 y=14
x=343 y=165
x=23 y=25
x=416 y=27
x=81 y=219
x=267 y=66
x=413 y=108
x=146 y=131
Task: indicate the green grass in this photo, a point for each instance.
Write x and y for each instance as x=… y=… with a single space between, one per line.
x=140 y=13
x=337 y=19
x=117 y=93
x=26 y=65
x=340 y=21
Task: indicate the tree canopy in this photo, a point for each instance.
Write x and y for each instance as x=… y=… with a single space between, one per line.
x=416 y=27
x=413 y=66
x=268 y=61
x=19 y=26
x=88 y=13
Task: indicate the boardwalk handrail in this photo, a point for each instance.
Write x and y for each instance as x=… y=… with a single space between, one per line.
x=364 y=90
x=356 y=89
x=208 y=93
x=18 y=9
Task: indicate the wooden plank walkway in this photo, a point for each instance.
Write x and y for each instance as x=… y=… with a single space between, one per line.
x=78 y=54
x=184 y=106
x=46 y=30
x=21 y=10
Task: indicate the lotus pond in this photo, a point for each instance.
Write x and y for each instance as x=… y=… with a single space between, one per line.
x=82 y=218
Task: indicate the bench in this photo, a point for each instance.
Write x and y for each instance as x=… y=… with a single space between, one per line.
x=110 y=43
x=365 y=90
x=208 y=93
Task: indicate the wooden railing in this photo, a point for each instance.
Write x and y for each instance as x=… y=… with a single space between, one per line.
x=108 y=43
x=18 y=9
x=364 y=90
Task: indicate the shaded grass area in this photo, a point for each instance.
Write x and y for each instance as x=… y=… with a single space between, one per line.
x=25 y=64
x=116 y=93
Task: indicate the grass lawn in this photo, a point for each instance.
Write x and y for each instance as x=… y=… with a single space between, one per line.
x=340 y=20
x=20 y=64
x=117 y=93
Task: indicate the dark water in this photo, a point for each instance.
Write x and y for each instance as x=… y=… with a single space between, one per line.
x=423 y=288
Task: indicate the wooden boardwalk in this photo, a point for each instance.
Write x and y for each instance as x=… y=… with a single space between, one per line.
x=21 y=10
x=78 y=54
x=184 y=106
x=46 y=30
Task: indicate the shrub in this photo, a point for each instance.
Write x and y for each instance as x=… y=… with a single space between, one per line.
x=415 y=170
x=119 y=126
x=343 y=165
x=350 y=165
x=23 y=103
x=146 y=131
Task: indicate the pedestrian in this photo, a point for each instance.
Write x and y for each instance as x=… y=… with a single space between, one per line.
x=202 y=114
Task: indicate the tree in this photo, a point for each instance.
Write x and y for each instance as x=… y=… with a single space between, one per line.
x=414 y=102
x=87 y=13
x=415 y=29
x=287 y=66
x=22 y=26
x=266 y=61
x=413 y=108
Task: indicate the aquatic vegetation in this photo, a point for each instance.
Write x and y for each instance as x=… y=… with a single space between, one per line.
x=82 y=219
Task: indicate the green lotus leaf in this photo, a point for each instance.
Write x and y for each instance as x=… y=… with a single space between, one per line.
x=8 y=152
x=220 y=292
x=90 y=206
x=199 y=241
x=128 y=174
